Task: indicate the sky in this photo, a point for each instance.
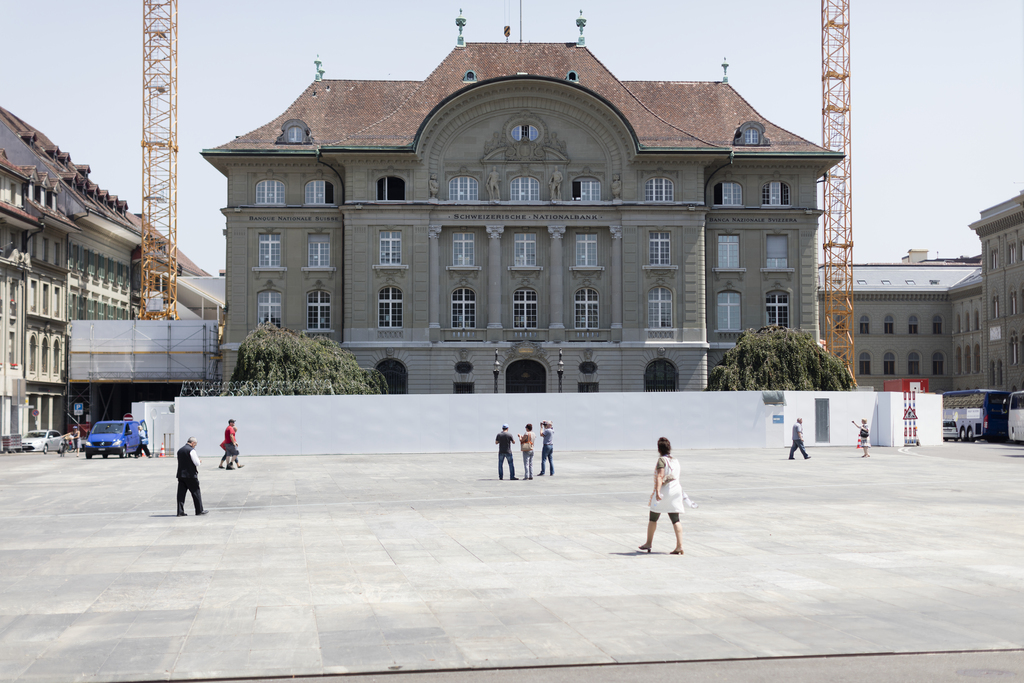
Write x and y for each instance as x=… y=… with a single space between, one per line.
x=937 y=87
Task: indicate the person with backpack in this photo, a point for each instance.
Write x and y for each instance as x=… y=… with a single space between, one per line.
x=864 y=435
x=526 y=444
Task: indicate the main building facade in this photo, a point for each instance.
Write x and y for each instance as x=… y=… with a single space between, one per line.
x=521 y=207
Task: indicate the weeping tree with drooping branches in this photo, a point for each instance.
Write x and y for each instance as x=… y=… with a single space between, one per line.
x=779 y=359
x=308 y=365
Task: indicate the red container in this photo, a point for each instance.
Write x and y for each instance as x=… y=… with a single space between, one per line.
x=919 y=386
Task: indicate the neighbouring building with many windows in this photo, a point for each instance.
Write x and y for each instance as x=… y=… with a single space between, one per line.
x=519 y=207
x=906 y=318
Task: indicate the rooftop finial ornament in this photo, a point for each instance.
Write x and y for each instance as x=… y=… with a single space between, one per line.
x=725 y=70
x=460 y=21
x=319 y=72
x=581 y=22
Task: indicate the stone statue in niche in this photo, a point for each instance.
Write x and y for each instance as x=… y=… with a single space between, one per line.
x=616 y=187
x=493 y=188
x=555 y=185
x=434 y=187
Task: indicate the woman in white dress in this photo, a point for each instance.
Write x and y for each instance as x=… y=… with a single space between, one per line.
x=668 y=496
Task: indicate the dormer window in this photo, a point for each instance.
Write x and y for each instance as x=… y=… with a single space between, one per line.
x=294 y=132
x=750 y=134
x=470 y=77
x=573 y=77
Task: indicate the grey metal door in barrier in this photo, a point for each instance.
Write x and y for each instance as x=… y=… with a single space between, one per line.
x=821 y=420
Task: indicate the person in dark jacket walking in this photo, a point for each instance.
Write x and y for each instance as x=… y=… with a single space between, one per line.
x=188 y=477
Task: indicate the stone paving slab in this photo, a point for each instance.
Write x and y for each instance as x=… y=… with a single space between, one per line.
x=341 y=564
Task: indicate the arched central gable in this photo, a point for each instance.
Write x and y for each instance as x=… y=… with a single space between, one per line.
x=489 y=109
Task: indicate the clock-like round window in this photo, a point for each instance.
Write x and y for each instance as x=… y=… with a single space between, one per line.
x=588 y=367
x=463 y=367
x=524 y=132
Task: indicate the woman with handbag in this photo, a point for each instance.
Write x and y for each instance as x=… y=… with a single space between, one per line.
x=668 y=496
x=526 y=443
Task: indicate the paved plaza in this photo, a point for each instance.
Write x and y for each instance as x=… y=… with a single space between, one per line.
x=339 y=564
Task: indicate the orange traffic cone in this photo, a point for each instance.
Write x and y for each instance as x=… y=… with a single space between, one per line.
x=162 y=454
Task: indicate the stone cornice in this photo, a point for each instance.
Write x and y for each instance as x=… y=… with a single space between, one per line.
x=1000 y=224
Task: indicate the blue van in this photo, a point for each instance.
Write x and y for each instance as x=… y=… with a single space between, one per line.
x=121 y=438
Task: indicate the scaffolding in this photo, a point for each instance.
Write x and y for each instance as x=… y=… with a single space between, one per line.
x=838 y=228
x=159 y=293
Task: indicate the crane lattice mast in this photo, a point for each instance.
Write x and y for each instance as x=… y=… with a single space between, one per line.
x=159 y=296
x=838 y=228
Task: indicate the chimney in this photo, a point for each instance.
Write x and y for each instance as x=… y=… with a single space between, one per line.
x=916 y=256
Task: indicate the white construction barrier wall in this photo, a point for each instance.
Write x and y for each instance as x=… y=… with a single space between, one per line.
x=432 y=423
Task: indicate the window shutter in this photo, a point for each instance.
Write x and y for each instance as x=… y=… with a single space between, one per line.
x=329 y=193
x=718 y=194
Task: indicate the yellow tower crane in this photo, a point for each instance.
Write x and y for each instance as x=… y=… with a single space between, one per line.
x=159 y=299
x=838 y=237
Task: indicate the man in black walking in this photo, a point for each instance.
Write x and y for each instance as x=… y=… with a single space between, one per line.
x=188 y=477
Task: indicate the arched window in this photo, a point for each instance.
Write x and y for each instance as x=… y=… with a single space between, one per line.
x=914 y=363
x=586 y=189
x=659 y=190
x=463 y=189
x=389 y=307
x=525 y=132
x=46 y=356
x=318 y=311
x=660 y=375
x=295 y=134
x=938 y=363
x=959 y=361
x=889 y=325
x=270 y=192
x=999 y=373
x=865 y=325
x=586 y=309
x=524 y=189
x=777 y=309
x=390 y=189
x=659 y=308
x=57 y=365
x=524 y=309
x=470 y=77
x=937 y=324
x=33 y=349
x=751 y=137
x=573 y=77
x=728 y=311
x=775 y=194
x=463 y=309
x=1014 y=349
x=889 y=363
x=395 y=375
x=319 y=192
x=728 y=194
x=995 y=307
x=865 y=364
x=977 y=358
x=1013 y=303
x=912 y=325
x=268 y=308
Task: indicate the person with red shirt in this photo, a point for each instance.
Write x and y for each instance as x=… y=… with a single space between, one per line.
x=230 y=446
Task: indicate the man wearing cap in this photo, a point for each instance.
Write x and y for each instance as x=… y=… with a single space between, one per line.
x=230 y=446
x=505 y=441
x=547 y=430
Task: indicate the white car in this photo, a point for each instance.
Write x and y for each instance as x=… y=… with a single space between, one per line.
x=43 y=440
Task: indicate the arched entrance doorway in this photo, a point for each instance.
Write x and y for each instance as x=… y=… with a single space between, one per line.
x=526 y=377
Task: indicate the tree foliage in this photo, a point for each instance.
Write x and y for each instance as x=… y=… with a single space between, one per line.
x=273 y=354
x=779 y=359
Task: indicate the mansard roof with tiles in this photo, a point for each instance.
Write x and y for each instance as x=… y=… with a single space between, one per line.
x=675 y=116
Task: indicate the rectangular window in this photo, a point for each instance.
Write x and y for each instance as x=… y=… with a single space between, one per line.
x=101 y=266
x=73 y=310
x=659 y=249
x=865 y=364
x=777 y=248
x=391 y=248
x=587 y=387
x=525 y=245
x=46 y=299
x=270 y=251
x=32 y=296
x=120 y=274
x=56 y=253
x=46 y=249
x=319 y=251
x=995 y=258
x=463 y=388
x=268 y=308
x=865 y=326
x=91 y=309
x=463 y=309
x=90 y=257
x=777 y=309
x=463 y=249
x=586 y=250
x=728 y=311
x=586 y=190
x=524 y=309
x=110 y=269
x=728 y=251
x=82 y=312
